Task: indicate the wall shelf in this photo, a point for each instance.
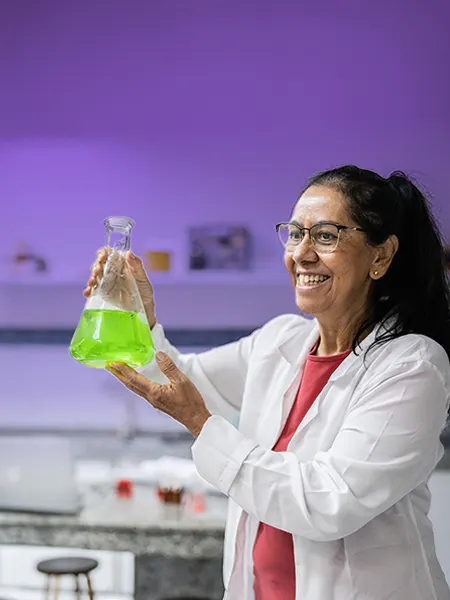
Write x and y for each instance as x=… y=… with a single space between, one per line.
x=195 y=277
x=198 y=301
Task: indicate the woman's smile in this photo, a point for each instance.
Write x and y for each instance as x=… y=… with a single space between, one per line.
x=311 y=281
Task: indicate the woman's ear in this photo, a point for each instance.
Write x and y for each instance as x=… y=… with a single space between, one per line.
x=384 y=255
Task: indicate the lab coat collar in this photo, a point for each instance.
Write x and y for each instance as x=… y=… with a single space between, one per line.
x=297 y=346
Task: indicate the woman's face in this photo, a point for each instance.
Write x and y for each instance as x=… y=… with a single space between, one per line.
x=345 y=291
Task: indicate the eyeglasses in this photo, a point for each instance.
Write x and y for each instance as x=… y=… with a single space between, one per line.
x=324 y=236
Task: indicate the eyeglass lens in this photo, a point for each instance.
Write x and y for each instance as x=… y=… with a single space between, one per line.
x=324 y=237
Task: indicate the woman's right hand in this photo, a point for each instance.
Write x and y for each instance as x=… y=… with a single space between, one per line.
x=137 y=269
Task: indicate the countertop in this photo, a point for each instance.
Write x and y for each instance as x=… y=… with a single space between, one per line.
x=142 y=525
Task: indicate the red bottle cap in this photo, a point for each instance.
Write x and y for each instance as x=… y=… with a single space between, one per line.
x=124 y=488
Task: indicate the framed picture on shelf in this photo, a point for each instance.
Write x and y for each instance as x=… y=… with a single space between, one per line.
x=219 y=247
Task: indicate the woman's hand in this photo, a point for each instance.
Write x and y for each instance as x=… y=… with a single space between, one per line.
x=179 y=399
x=137 y=270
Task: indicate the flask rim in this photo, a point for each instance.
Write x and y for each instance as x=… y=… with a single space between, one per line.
x=122 y=224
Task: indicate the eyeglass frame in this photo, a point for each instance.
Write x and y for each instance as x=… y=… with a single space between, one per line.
x=308 y=229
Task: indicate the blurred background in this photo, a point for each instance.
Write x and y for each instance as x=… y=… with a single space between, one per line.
x=201 y=120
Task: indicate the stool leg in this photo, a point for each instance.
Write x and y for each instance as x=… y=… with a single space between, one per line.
x=56 y=590
x=77 y=587
x=89 y=585
x=47 y=587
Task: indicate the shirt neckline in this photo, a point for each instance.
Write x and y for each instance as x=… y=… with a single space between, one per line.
x=332 y=358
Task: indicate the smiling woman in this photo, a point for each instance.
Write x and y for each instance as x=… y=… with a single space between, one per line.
x=339 y=417
x=394 y=268
x=334 y=268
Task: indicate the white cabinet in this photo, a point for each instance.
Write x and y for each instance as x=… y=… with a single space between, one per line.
x=439 y=515
x=114 y=575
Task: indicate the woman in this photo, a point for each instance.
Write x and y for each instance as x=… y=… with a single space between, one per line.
x=339 y=417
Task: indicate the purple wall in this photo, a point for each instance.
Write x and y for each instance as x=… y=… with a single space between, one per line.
x=183 y=111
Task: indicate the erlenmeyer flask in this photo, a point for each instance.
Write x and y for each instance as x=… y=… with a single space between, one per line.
x=113 y=326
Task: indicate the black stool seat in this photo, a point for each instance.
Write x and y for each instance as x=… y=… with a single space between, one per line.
x=67 y=565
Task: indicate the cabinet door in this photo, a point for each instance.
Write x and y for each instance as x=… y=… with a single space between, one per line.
x=18 y=568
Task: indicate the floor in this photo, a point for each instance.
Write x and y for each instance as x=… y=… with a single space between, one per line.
x=24 y=594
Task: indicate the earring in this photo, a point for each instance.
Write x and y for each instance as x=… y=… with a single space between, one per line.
x=375 y=273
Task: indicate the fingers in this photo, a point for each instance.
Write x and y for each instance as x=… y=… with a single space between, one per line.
x=102 y=255
x=128 y=376
x=137 y=266
x=169 y=368
x=96 y=271
x=132 y=258
x=134 y=381
x=144 y=286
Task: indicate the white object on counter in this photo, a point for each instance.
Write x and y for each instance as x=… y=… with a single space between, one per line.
x=167 y=471
x=174 y=472
x=90 y=472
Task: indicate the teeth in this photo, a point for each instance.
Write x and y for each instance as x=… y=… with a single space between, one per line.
x=310 y=279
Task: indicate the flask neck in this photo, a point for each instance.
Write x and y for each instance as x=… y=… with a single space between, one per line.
x=118 y=233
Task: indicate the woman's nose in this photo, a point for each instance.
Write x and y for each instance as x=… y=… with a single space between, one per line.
x=305 y=250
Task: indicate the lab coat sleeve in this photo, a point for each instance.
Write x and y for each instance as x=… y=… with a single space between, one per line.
x=387 y=446
x=219 y=374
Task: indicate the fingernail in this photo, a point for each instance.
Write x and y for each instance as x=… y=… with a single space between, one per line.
x=160 y=355
x=131 y=254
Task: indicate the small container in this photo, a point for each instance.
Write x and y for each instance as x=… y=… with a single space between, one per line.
x=170 y=495
x=197 y=501
x=124 y=488
x=158 y=261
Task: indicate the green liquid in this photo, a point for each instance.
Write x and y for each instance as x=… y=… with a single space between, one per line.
x=105 y=335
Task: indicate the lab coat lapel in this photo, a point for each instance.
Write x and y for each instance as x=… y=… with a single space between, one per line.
x=346 y=369
x=293 y=351
x=342 y=376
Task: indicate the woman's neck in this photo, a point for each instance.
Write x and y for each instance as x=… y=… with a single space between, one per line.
x=339 y=337
x=330 y=344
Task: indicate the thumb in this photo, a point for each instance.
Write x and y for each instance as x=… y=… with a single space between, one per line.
x=137 y=267
x=168 y=367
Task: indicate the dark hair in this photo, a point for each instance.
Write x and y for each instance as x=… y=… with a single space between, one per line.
x=413 y=296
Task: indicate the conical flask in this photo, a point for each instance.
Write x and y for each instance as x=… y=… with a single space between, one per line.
x=113 y=326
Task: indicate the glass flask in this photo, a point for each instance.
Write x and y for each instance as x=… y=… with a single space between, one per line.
x=113 y=326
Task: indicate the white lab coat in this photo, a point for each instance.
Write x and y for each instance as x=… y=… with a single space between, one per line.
x=352 y=486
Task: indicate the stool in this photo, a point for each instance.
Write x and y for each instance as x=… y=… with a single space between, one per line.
x=68 y=565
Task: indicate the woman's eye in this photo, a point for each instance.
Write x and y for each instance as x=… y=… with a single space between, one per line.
x=325 y=236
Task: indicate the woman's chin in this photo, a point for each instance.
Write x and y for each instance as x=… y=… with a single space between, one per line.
x=304 y=307
x=306 y=310
x=309 y=306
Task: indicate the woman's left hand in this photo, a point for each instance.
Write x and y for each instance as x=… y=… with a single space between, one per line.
x=179 y=399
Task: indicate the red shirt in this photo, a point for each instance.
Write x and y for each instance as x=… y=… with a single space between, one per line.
x=273 y=552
